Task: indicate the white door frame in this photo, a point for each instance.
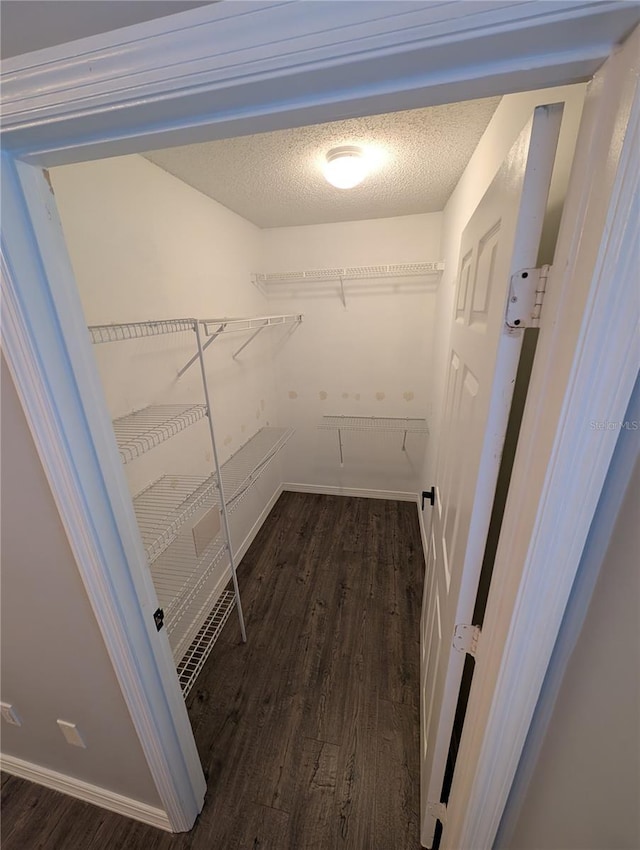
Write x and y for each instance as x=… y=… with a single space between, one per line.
x=167 y=82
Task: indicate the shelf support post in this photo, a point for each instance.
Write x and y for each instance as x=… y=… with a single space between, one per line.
x=340 y=445
x=342 y=295
x=225 y=515
x=205 y=346
x=246 y=342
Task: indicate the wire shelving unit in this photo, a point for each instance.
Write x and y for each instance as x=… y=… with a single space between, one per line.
x=373 y=424
x=188 y=573
x=144 y=429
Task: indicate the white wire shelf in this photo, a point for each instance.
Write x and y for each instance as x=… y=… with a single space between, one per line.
x=246 y=465
x=234 y=325
x=374 y=424
x=213 y=328
x=200 y=648
x=408 y=425
x=163 y=507
x=136 y=330
x=145 y=429
x=178 y=574
x=349 y=273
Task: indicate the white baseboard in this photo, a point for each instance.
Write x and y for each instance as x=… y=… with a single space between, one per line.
x=85 y=791
x=327 y=490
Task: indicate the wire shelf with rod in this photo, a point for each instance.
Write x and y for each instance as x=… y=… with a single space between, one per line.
x=374 y=424
x=137 y=330
x=213 y=328
x=386 y=270
x=144 y=429
x=409 y=425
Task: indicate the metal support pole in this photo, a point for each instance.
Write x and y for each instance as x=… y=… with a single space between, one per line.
x=404 y=442
x=205 y=346
x=344 y=300
x=340 y=444
x=245 y=344
x=225 y=516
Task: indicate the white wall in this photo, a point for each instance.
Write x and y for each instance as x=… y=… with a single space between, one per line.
x=370 y=358
x=583 y=791
x=512 y=114
x=144 y=245
x=54 y=661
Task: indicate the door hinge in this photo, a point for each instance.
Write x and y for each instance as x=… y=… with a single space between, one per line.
x=465 y=638
x=430 y=496
x=526 y=294
x=438 y=811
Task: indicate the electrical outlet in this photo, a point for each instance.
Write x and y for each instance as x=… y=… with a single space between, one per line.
x=71 y=734
x=9 y=714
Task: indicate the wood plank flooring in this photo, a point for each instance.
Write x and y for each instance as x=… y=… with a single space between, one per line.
x=309 y=733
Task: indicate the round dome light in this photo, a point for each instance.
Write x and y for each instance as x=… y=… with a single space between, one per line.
x=345 y=167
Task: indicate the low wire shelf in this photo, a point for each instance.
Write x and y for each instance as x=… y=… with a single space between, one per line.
x=200 y=648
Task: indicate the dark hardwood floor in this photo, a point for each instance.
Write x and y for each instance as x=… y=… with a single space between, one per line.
x=308 y=734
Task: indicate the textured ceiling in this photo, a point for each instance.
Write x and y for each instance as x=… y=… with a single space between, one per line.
x=275 y=179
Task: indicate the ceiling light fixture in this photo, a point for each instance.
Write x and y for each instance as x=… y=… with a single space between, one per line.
x=345 y=167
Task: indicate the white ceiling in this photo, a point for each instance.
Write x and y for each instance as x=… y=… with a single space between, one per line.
x=275 y=179
x=35 y=24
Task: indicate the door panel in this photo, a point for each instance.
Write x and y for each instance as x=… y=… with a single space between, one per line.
x=501 y=237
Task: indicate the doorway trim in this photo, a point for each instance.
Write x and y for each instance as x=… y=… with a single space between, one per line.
x=92 y=99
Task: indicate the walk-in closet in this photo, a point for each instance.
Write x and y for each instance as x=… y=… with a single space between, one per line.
x=260 y=334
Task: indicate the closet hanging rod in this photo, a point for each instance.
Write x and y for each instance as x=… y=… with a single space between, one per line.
x=213 y=328
x=349 y=273
x=135 y=330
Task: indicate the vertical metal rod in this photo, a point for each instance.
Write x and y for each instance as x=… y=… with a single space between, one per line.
x=246 y=343
x=344 y=300
x=404 y=442
x=340 y=444
x=225 y=516
x=206 y=345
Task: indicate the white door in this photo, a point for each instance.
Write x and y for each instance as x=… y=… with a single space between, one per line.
x=501 y=237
